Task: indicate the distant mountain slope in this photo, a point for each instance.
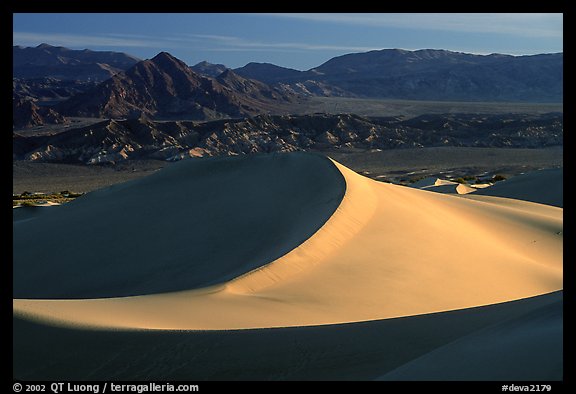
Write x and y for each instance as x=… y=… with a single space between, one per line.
x=113 y=141
x=249 y=88
x=165 y=87
x=49 y=90
x=209 y=69
x=62 y=63
x=269 y=73
x=427 y=74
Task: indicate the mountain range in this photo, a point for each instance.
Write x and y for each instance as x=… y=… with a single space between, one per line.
x=150 y=104
x=427 y=74
x=165 y=87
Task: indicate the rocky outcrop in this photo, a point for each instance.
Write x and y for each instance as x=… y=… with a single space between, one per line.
x=113 y=141
x=25 y=113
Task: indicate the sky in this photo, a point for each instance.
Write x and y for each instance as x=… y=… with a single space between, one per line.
x=299 y=41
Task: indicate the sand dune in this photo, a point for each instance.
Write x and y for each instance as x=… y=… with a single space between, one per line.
x=311 y=257
x=22 y=213
x=355 y=351
x=525 y=347
x=194 y=224
x=442 y=186
x=543 y=186
x=429 y=181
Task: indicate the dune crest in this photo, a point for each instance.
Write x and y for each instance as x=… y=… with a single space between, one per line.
x=354 y=212
x=387 y=251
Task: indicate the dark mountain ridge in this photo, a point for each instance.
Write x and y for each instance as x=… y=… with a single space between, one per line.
x=63 y=63
x=427 y=74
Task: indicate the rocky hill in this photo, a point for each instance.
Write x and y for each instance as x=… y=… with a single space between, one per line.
x=114 y=141
x=27 y=114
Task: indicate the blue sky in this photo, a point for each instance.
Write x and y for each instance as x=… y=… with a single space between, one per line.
x=300 y=41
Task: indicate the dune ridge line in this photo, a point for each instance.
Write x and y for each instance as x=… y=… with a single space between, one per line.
x=348 y=219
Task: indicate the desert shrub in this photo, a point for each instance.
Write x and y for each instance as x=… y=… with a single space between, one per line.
x=25 y=196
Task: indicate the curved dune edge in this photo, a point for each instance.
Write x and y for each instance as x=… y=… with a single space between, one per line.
x=194 y=224
x=355 y=210
x=388 y=251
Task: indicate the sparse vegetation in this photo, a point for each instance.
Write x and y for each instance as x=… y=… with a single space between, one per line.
x=413 y=108
x=31 y=199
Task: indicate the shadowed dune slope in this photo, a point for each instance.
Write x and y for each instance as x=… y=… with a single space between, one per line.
x=28 y=212
x=526 y=347
x=194 y=224
x=543 y=186
x=438 y=185
x=356 y=351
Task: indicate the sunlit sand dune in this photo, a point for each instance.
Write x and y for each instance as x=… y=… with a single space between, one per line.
x=346 y=249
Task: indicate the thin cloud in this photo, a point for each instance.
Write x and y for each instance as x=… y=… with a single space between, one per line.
x=209 y=42
x=231 y=43
x=214 y=37
x=223 y=43
x=524 y=24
